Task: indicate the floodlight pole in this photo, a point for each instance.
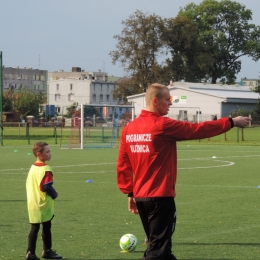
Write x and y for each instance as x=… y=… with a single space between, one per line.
x=1 y=99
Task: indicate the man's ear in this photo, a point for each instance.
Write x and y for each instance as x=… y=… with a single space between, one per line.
x=155 y=101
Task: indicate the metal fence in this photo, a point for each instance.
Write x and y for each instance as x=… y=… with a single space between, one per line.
x=24 y=133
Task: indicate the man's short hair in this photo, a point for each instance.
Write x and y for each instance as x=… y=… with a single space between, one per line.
x=154 y=90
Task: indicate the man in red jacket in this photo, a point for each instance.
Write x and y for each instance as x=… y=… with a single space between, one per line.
x=147 y=166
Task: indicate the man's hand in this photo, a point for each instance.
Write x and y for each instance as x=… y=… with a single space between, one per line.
x=241 y=121
x=132 y=205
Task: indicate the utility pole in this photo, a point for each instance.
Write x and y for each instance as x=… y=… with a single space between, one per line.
x=1 y=99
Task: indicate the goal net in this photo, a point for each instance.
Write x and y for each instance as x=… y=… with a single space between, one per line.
x=95 y=126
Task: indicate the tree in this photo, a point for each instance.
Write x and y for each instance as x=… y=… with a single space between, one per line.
x=8 y=101
x=257 y=107
x=74 y=111
x=90 y=111
x=224 y=26
x=25 y=101
x=126 y=87
x=190 y=59
x=138 y=48
x=241 y=111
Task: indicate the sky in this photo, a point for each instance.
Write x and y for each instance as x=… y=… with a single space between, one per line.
x=57 y=35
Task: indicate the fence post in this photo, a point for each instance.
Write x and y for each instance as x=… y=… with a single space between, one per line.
x=28 y=134
x=242 y=134
x=27 y=129
x=250 y=120
x=237 y=135
x=102 y=134
x=55 y=134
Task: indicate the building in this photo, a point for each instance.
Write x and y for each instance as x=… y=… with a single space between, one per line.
x=77 y=73
x=253 y=84
x=24 y=78
x=81 y=87
x=202 y=101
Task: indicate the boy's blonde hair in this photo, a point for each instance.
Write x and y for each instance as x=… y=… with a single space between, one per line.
x=38 y=147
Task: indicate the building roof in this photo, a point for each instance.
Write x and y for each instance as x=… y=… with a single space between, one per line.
x=219 y=90
x=229 y=92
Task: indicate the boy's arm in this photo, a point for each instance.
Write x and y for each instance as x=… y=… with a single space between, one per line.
x=46 y=185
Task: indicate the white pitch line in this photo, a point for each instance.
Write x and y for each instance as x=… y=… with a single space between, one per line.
x=207 y=167
x=93 y=164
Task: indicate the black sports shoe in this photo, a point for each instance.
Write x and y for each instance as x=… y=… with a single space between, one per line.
x=29 y=256
x=50 y=254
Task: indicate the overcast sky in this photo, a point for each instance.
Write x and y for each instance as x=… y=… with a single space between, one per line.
x=61 y=34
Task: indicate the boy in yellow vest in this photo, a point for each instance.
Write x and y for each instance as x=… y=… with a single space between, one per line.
x=40 y=202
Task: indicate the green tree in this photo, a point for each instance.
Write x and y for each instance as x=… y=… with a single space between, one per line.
x=8 y=101
x=241 y=111
x=257 y=107
x=90 y=111
x=190 y=59
x=126 y=87
x=27 y=102
x=224 y=26
x=138 y=48
x=72 y=110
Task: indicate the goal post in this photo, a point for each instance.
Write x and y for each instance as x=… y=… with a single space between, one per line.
x=96 y=126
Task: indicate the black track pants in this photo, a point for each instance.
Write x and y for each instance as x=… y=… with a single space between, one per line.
x=158 y=216
x=46 y=236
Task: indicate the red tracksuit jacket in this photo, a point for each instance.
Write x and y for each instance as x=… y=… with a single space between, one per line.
x=147 y=160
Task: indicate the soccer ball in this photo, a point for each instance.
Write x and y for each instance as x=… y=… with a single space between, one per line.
x=128 y=243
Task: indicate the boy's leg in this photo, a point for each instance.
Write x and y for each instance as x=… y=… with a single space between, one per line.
x=32 y=238
x=48 y=253
x=46 y=235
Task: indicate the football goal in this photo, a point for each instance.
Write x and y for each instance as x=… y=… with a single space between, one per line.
x=95 y=126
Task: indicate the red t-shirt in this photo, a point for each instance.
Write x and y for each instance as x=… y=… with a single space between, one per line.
x=147 y=160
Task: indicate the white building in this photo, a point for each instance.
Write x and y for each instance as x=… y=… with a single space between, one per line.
x=66 y=88
x=200 y=102
x=64 y=92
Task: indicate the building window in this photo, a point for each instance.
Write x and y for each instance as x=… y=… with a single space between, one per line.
x=57 y=109
x=101 y=97
x=57 y=87
x=71 y=87
x=251 y=84
x=107 y=88
x=57 y=97
x=94 y=97
x=107 y=97
x=71 y=97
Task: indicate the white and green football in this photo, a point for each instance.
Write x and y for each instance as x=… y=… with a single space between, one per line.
x=128 y=242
